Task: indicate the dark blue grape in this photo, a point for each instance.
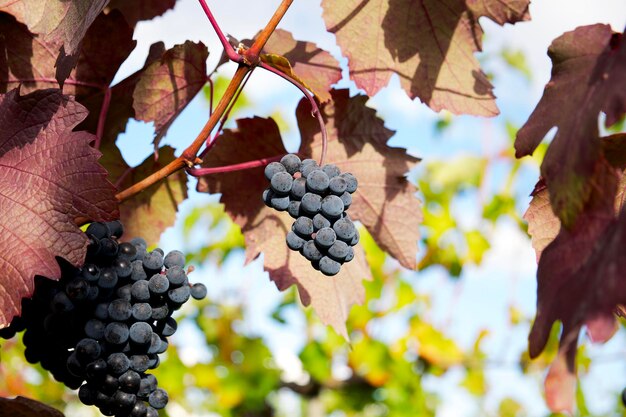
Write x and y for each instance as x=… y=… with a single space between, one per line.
x=174 y=258
x=141 y=311
x=319 y=222
x=61 y=302
x=108 y=248
x=268 y=194
x=294 y=209
x=280 y=203
x=139 y=363
x=281 y=183
x=351 y=182
x=332 y=206
x=139 y=241
x=151 y=412
x=169 y=327
x=317 y=182
x=110 y=384
x=108 y=279
x=294 y=242
x=311 y=203
x=129 y=382
x=101 y=311
x=94 y=329
x=308 y=166
x=98 y=230
x=74 y=366
x=120 y=310
x=329 y=267
x=311 y=252
x=339 y=250
x=87 y=350
x=303 y=226
x=160 y=312
x=345 y=230
x=273 y=168
x=331 y=170
x=158 y=284
x=158 y=399
x=127 y=251
x=116 y=333
x=116 y=229
x=298 y=188
x=77 y=289
x=350 y=255
x=123 y=267
x=337 y=185
x=91 y=272
x=346 y=199
x=325 y=237
x=153 y=262
x=140 y=333
x=118 y=363
x=291 y=162
x=124 y=401
x=96 y=370
x=198 y=291
x=87 y=394
x=124 y=292
x=139 y=410
x=180 y=295
x=155 y=344
x=176 y=276
x=138 y=272
x=355 y=238
x=140 y=291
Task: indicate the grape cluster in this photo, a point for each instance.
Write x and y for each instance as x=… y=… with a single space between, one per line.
x=100 y=328
x=317 y=197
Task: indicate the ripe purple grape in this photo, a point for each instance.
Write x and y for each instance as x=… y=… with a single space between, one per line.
x=317 y=181
x=281 y=183
x=291 y=162
x=273 y=168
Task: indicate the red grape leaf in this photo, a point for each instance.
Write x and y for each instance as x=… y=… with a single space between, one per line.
x=579 y=280
x=50 y=177
x=137 y=10
x=167 y=85
x=429 y=44
x=29 y=60
x=265 y=230
x=588 y=76
x=57 y=21
x=385 y=201
x=152 y=211
x=25 y=407
x=315 y=67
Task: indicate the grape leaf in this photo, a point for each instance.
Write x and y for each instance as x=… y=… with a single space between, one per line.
x=152 y=211
x=315 y=67
x=578 y=281
x=29 y=60
x=588 y=76
x=25 y=407
x=166 y=86
x=137 y=10
x=265 y=230
x=62 y=21
x=429 y=44
x=49 y=177
x=385 y=201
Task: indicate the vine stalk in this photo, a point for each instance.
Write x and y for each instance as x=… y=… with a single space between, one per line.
x=250 y=59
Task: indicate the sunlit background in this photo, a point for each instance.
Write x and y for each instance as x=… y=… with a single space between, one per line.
x=449 y=339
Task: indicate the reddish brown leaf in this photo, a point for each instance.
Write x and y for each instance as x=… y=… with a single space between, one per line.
x=429 y=44
x=154 y=209
x=29 y=59
x=265 y=229
x=316 y=67
x=385 y=201
x=60 y=22
x=166 y=86
x=137 y=10
x=588 y=76
x=580 y=281
x=25 y=407
x=50 y=177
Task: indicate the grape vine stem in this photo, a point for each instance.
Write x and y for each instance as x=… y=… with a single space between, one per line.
x=250 y=60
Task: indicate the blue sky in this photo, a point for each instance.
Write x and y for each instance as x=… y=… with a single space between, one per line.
x=483 y=295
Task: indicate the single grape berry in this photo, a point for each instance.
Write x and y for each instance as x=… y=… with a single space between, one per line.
x=346 y=199
x=339 y=251
x=281 y=183
x=280 y=203
x=337 y=185
x=311 y=252
x=332 y=206
x=174 y=258
x=303 y=226
x=273 y=168
x=351 y=182
x=158 y=399
x=291 y=163
x=294 y=209
x=331 y=170
x=308 y=166
x=317 y=181
x=311 y=203
x=294 y=242
x=319 y=222
x=298 y=188
x=325 y=237
x=345 y=230
x=198 y=291
x=140 y=333
x=328 y=266
x=118 y=363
